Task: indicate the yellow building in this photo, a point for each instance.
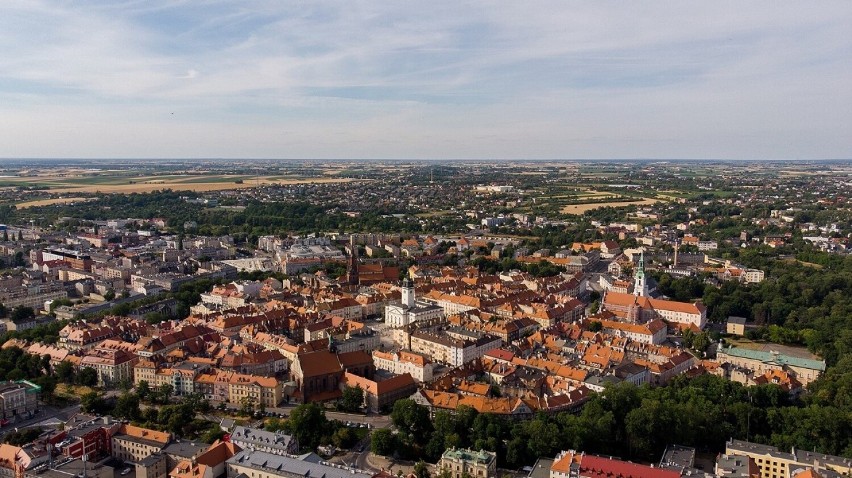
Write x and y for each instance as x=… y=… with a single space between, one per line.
x=461 y=461
x=774 y=463
x=134 y=444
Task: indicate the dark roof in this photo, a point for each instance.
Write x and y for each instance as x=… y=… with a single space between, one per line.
x=321 y=362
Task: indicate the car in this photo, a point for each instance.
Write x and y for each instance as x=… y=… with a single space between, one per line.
x=125 y=471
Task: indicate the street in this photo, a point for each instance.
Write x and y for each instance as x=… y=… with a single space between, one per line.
x=48 y=416
x=373 y=421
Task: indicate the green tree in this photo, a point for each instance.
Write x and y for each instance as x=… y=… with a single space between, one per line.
x=127 y=406
x=64 y=372
x=421 y=470
x=87 y=377
x=143 y=390
x=247 y=406
x=352 y=400
x=383 y=442
x=413 y=418
x=701 y=342
x=344 y=437
x=22 y=437
x=164 y=392
x=308 y=424
x=21 y=313
x=92 y=402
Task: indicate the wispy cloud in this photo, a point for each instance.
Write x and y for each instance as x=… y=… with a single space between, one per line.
x=425 y=79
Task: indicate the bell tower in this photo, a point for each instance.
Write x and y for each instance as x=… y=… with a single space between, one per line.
x=640 y=284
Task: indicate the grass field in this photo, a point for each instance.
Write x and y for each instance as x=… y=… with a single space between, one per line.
x=48 y=202
x=64 y=183
x=582 y=208
x=71 y=392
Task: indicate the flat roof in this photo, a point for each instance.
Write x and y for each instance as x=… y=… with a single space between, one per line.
x=775 y=357
x=287 y=466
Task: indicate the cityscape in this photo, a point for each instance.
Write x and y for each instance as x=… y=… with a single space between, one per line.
x=362 y=239
x=642 y=318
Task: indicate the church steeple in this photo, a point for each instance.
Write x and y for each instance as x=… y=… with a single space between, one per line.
x=352 y=270
x=640 y=284
x=407 y=291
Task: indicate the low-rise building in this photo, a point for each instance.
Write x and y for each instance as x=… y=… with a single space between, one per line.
x=134 y=444
x=760 y=362
x=463 y=462
x=18 y=399
x=774 y=463
x=276 y=443
x=260 y=464
x=419 y=366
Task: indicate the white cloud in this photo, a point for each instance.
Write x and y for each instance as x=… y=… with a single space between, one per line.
x=420 y=79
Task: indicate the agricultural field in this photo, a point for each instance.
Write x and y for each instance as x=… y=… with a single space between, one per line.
x=89 y=182
x=48 y=202
x=582 y=208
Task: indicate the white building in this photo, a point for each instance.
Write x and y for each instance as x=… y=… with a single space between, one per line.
x=410 y=310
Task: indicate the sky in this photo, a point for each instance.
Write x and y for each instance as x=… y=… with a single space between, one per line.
x=426 y=79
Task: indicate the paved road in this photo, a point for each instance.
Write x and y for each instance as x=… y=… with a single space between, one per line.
x=374 y=421
x=47 y=415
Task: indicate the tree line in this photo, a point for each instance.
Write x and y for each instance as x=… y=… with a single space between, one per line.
x=635 y=423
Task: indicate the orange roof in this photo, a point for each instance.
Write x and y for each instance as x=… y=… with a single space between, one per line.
x=162 y=438
x=218 y=452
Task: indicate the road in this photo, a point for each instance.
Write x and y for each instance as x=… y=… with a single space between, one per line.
x=374 y=421
x=49 y=415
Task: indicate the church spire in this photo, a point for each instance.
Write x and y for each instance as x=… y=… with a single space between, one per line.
x=640 y=283
x=352 y=271
x=407 y=291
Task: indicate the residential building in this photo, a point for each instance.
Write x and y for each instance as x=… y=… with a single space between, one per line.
x=134 y=444
x=419 y=366
x=380 y=395
x=276 y=443
x=260 y=464
x=774 y=463
x=464 y=462
x=760 y=362
x=112 y=365
x=18 y=399
x=652 y=332
x=450 y=350
x=572 y=464
x=152 y=466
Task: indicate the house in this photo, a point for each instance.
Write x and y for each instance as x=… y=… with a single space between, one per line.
x=461 y=462
x=758 y=361
x=419 y=366
x=381 y=394
x=260 y=464
x=134 y=444
x=18 y=400
x=572 y=464
x=277 y=443
x=775 y=463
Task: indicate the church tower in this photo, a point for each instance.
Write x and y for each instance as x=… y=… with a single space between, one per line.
x=640 y=284
x=352 y=270
x=407 y=292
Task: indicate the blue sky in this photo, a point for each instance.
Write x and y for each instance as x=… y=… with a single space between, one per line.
x=282 y=79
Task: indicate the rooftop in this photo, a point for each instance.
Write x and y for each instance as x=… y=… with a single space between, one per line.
x=285 y=465
x=775 y=357
x=471 y=456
